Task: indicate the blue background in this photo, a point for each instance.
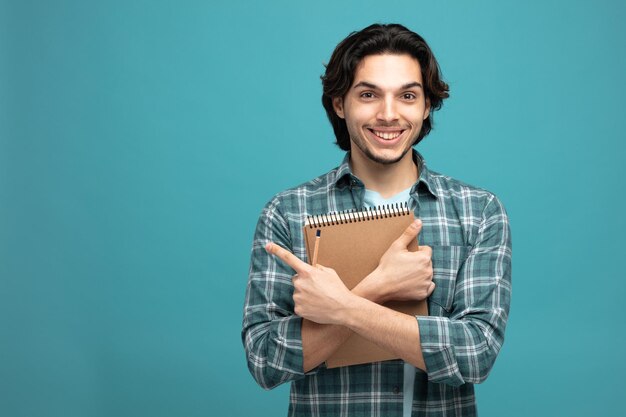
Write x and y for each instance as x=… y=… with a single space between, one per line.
x=139 y=141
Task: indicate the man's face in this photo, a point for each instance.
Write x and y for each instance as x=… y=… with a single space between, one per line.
x=385 y=107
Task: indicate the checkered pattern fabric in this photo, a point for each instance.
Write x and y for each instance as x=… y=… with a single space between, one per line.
x=468 y=230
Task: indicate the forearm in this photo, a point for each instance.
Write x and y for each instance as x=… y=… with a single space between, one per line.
x=393 y=331
x=320 y=341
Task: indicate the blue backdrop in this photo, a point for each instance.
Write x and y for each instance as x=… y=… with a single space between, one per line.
x=139 y=141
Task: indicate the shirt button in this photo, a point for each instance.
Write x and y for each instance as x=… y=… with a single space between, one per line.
x=396 y=390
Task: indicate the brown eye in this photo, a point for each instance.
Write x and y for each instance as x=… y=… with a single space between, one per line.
x=409 y=96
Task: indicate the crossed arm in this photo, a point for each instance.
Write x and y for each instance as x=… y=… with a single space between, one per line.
x=332 y=312
x=457 y=347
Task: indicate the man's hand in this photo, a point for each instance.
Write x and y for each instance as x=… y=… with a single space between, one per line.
x=319 y=294
x=401 y=274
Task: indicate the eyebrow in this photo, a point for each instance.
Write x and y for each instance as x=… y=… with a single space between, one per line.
x=375 y=87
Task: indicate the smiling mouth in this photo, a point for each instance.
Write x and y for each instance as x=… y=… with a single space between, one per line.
x=386 y=135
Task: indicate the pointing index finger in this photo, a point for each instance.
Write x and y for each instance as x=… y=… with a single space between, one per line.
x=287 y=257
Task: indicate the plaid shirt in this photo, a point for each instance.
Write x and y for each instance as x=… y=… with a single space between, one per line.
x=468 y=231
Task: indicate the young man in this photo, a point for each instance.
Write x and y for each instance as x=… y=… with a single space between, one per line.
x=380 y=89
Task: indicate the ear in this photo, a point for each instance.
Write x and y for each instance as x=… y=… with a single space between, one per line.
x=427 y=110
x=338 y=106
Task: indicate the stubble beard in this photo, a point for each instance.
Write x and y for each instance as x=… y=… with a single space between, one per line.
x=360 y=143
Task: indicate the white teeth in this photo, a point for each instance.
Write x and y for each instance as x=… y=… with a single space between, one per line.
x=387 y=135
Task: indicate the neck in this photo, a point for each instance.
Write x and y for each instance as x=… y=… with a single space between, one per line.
x=386 y=179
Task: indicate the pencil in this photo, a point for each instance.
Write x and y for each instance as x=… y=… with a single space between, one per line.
x=317 y=246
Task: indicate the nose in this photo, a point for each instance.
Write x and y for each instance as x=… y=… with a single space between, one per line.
x=387 y=111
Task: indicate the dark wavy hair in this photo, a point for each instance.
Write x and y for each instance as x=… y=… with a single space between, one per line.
x=374 y=40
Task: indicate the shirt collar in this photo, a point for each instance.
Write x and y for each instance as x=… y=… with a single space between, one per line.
x=344 y=175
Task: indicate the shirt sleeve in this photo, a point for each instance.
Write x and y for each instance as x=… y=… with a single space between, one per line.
x=271 y=332
x=462 y=348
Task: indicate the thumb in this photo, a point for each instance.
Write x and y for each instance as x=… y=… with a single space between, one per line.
x=409 y=235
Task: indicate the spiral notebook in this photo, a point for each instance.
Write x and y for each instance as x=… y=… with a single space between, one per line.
x=352 y=243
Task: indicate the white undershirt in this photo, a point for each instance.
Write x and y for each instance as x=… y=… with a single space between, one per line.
x=371 y=200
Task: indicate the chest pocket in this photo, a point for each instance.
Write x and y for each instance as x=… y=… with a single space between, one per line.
x=447 y=261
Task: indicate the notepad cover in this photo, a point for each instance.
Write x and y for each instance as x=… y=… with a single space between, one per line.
x=353 y=245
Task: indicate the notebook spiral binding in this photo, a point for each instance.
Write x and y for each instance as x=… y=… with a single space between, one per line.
x=352 y=216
